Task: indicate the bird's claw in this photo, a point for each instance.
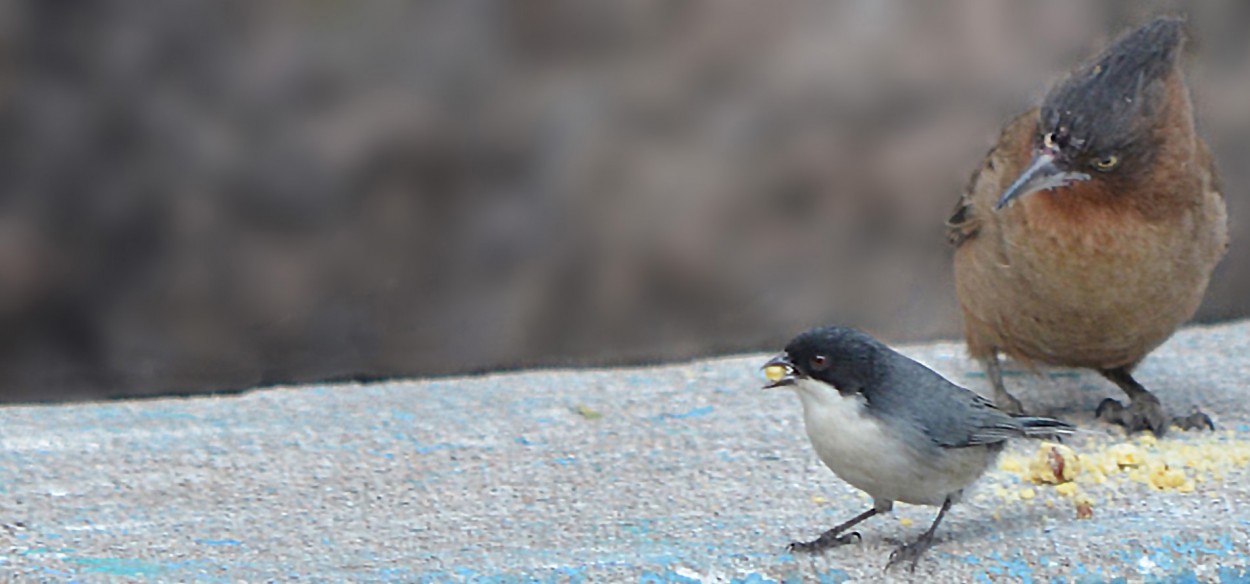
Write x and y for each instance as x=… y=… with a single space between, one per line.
x=910 y=553
x=1143 y=413
x=825 y=541
x=1148 y=414
x=1194 y=421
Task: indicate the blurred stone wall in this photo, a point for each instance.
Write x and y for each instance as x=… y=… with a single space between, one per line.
x=206 y=196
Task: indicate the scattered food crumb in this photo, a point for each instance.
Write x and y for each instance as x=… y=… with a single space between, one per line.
x=1165 y=477
x=1177 y=464
x=1084 y=509
x=1126 y=455
x=1054 y=464
x=585 y=411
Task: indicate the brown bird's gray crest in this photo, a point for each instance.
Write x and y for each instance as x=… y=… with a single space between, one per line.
x=1107 y=107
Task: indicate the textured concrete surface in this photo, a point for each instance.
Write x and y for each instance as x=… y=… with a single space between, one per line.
x=680 y=473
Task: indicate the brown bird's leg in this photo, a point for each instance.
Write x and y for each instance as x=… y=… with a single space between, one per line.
x=912 y=551
x=1002 y=399
x=833 y=537
x=1144 y=411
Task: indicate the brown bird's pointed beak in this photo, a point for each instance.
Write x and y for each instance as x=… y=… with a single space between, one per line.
x=1042 y=174
x=779 y=372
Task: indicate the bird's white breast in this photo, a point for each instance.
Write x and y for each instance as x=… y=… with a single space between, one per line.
x=874 y=457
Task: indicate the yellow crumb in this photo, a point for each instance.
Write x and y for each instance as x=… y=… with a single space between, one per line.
x=1053 y=464
x=1066 y=489
x=905 y=522
x=1126 y=455
x=774 y=372
x=1164 y=477
x=817 y=499
x=1027 y=494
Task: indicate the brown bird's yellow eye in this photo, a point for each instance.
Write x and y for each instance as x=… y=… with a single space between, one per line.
x=1107 y=163
x=819 y=362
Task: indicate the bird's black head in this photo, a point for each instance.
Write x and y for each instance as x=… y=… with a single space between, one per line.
x=840 y=356
x=1099 y=122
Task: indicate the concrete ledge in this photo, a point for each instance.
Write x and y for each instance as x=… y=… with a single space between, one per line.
x=676 y=473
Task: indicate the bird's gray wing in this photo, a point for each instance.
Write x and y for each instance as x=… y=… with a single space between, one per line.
x=948 y=415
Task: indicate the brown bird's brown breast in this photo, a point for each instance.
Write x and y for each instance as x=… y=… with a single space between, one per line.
x=1098 y=273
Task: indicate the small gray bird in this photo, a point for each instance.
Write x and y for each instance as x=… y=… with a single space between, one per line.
x=892 y=427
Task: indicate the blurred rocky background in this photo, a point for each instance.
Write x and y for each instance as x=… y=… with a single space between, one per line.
x=209 y=196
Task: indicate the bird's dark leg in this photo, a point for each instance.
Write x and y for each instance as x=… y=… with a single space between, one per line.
x=1002 y=399
x=1144 y=411
x=833 y=537
x=912 y=551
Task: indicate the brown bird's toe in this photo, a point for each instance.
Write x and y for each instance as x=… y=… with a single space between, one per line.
x=1194 y=421
x=1141 y=414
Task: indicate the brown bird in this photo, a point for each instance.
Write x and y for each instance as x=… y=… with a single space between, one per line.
x=1091 y=230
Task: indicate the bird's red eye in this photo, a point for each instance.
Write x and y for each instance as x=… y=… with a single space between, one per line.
x=819 y=362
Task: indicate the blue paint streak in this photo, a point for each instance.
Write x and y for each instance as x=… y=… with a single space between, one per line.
x=436 y=447
x=1019 y=570
x=120 y=567
x=1229 y=575
x=695 y=413
x=665 y=578
x=1182 y=578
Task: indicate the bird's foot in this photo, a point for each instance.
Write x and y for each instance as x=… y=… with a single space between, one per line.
x=825 y=541
x=1143 y=413
x=1146 y=413
x=1195 y=421
x=911 y=553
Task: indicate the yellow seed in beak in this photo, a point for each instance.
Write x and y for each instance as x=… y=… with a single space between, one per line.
x=774 y=372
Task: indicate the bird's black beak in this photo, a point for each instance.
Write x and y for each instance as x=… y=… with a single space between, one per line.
x=1042 y=174
x=779 y=372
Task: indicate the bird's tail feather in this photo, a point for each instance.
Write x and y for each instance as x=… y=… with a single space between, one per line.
x=1035 y=427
